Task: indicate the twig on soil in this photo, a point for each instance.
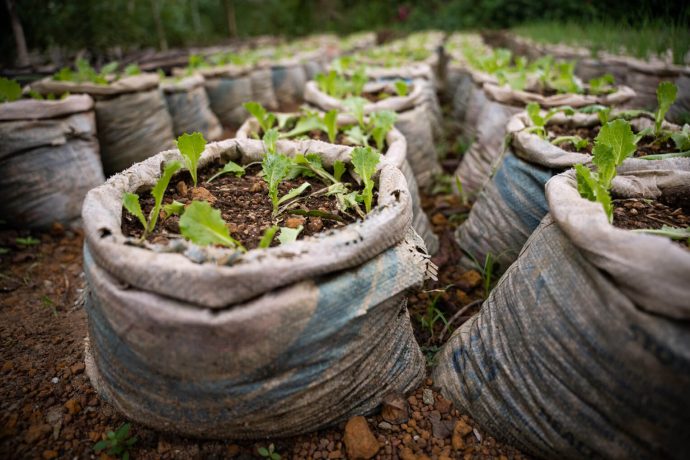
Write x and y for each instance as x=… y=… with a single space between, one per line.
x=456 y=316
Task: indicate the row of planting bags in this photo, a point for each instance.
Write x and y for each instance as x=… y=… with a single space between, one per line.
x=54 y=151
x=276 y=341
x=582 y=349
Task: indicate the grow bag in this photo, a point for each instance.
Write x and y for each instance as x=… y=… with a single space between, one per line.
x=416 y=120
x=395 y=154
x=132 y=119
x=582 y=349
x=289 y=78
x=49 y=160
x=273 y=342
x=512 y=203
x=493 y=109
x=189 y=107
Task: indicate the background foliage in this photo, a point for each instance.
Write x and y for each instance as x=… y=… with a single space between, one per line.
x=97 y=25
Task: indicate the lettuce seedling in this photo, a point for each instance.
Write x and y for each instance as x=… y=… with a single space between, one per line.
x=270 y=140
x=10 y=90
x=307 y=123
x=401 y=88
x=365 y=160
x=666 y=94
x=539 y=121
x=330 y=121
x=131 y=203
x=268 y=236
x=614 y=143
x=357 y=82
x=276 y=167
x=381 y=123
x=674 y=233
x=191 y=146
x=230 y=167
x=173 y=209
x=682 y=138
x=312 y=163
x=577 y=142
x=265 y=118
x=288 y=235
x=355 y=107
x=602 y=85
x=203 y=225
x=355 y=135
x=338 y=170
x=132 y=69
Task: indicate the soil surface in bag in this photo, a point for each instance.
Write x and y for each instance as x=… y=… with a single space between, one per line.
x=646 y=146
x=244 y=204
x=639 y=213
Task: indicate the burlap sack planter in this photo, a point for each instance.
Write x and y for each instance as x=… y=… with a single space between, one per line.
x=395 y=154
x=582 y=349
x=512 y=203
x=49 y=159
x=494 y=108
x=283 y=341
x=131 y=116
x=416 y=119
x=189 y=107
x=289 y=78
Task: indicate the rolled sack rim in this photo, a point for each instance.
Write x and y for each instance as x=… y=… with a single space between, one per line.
x=506 y=95
x=32 y=109
x=127 y=84
x=185 y=84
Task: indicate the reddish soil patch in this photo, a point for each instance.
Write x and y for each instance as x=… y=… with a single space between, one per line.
x=244 y=204
x=638 y=213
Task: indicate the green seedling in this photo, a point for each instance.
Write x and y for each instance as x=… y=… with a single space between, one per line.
x=364 y=161
x=132 y=69
x=191 y=146
x=306 y=124
x=338 y=170
x=288 y=235
x=401 y=88
x=602 y=85
x=433 y=315
x=381 y=123
x=355 y=135
x=265 y=118
x=577 y=142
x=330 y=121
x=173 y=209
x=117 y=443
x=269 y=452
x=682 y=138
x=674 y=233
x=666 y=94
x=270 y=140
x=230 y=168
x=539 y=122
x=10 y=90
x=355 y=107
x=132 y=204
x=48 y=302
x=277 y=167
x=203 y=226
x=268 y=236
x=27 y=241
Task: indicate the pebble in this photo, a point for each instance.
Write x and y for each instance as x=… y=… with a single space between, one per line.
x=360 y=442
x=395 y=409
x=73 y=406
x=294 y=222
x=427 y=396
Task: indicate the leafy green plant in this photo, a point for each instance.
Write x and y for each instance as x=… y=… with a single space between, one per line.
x=265 y=118
x=381 y=122
x=191 y=146
x=614 y=143
x=173 y=209
x=270 y=140
x=132 y=69
x=267 y=237
x=682 y=138
x=132 y=204
x=230 y=167
x=365 y=160
x=401 y=88
x=85 y=73
x=602 y=85
x=10 y=90
x=355 y=106
x=666 y=94
x=277 y=167
x=269 y=452
x=330 y=120
x=433 y=315
x=288 y=235
x=203 y=225
x=539 y=122
x=117 y=443
x=674 y=233
x=577 y=142
x=27 y=241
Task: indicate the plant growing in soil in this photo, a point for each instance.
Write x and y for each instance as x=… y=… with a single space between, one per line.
x=666 y=94
x=276 y=168
x=365 y=160
x=85 y=73
x=265 y=118
x=380 y=124
x=10 y=90
x=614 y=143
x=269 y=452
x=117 y=443
x=539 y=122
x=401 y=88
x=674 y=233
x=203 y=225
x=602 y=85
x=191 y=147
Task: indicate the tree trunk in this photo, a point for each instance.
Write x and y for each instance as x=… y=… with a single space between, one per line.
x=18 y=30
x=230 y=14
x=160 y=31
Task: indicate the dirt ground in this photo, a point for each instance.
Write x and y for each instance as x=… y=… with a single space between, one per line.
x=48 y=408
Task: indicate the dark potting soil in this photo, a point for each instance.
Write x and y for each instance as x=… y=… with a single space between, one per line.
x=340 y=138
x=646 y=146
x=640 y=213
x=244 y=204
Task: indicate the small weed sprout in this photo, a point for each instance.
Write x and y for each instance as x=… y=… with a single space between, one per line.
x=117 y=443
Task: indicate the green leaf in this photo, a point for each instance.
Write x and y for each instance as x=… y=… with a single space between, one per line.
x=173 y=209
x=533 y=111
x=132 y=69
x=131 y=203
x=331 y=123
x=203 y=225
x=682 y=138
x=401 y=88
x=267 y=237
x=602 y=85
x=10 y=90
x=306 y=124
x=263 y=452
x=312 y=162
x=338 y=170
x=365 y=160
x=265 y=118
x=270 y=139
x=605 y=161
x=295 y=192
x=355 y=107
x=590 y=189
x=577 y=142
x=356 y=136
x=315 y=213
x=674 y=233
x=666 y=94
x=619 y=137
x=382 y=122
x=191 y=147
x=276 y=168
x=123 y=431
x=109 y=68
x=230 y=167
x=100 y=445
x=288 y=235
x=159 y=190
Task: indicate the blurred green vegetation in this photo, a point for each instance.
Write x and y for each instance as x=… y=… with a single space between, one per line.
x=97 y=25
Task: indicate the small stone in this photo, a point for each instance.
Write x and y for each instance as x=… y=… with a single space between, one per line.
x=633 y=212
x=427 y=396
x=315 y=224
x=395 y=409
x=360 y=442
x=460 y=430
x=412 y=399
x=77 y=368
x=385 y=426
x=182 y=188
x=48 y=454
x=440 y=428
x=335 y=454
x=294 y=222
x=257 y=186
x=439 y=219
x=73 y=406
x=54 y=380
x=202 y=194
x=407 y=454
x=36 y=432
x=469 y=280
